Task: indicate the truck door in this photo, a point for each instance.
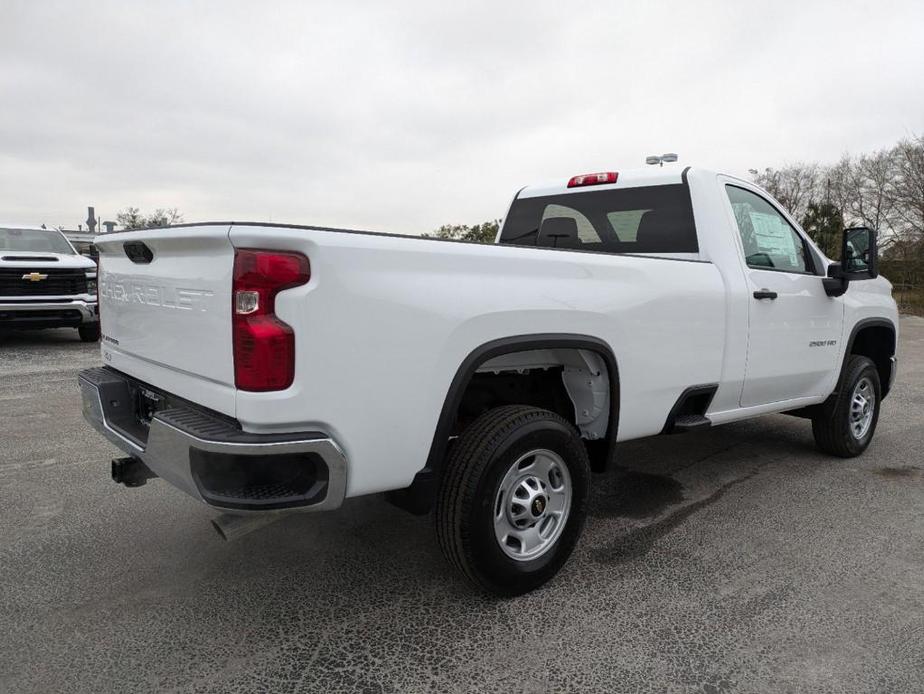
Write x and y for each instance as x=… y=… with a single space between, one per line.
x=793 y=326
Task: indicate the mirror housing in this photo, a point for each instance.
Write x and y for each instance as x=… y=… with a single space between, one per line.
x=859 y=261
x=835 y=283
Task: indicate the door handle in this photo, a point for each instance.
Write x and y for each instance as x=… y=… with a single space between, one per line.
x=764 y=294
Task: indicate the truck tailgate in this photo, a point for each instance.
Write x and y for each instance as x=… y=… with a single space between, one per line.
x=165 y=306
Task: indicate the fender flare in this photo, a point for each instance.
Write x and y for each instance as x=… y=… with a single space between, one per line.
x=419 y=496
x=854 y=331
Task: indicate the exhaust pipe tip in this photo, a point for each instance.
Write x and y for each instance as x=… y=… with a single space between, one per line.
x=230 y=526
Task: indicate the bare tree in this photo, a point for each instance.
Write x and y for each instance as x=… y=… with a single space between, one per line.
x=794 y=185
x=907 y=189
x=861 y=188
x=883 y=190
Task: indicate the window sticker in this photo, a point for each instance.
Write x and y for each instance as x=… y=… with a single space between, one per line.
x=774 y=237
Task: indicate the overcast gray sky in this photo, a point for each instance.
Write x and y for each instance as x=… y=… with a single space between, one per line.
x=402 y=116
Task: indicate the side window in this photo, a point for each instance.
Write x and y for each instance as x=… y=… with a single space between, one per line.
x=770 y=243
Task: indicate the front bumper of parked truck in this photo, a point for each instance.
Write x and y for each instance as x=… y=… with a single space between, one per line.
x=24 y=314
x=207 y=455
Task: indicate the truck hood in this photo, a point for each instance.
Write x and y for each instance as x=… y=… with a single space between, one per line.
x=33 y=259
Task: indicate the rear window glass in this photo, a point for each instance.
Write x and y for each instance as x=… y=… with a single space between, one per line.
x=650 y=219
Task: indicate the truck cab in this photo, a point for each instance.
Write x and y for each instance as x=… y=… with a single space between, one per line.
x=784 y=331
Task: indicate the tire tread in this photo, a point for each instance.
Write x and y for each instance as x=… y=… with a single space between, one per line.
x=464 y=469
x=828 y=427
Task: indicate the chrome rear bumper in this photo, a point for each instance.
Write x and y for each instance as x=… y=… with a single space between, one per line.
x=179 y=437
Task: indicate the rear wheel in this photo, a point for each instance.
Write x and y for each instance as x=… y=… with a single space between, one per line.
x=89 y=332
x=513 y=498
x=845 y=423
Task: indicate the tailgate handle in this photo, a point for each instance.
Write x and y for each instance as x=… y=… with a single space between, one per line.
x=138 y=252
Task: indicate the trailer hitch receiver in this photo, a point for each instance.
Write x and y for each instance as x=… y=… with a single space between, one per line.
x=131 y=472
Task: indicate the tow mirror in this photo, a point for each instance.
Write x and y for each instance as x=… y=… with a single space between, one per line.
x=859 y=256
x=859 y=261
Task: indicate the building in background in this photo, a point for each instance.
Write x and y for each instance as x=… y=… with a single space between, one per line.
x=82 y=239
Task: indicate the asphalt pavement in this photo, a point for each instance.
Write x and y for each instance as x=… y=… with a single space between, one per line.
x=733 y=560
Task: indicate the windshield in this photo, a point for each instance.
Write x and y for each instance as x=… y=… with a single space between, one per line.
x=649 y=219
x=34 y=240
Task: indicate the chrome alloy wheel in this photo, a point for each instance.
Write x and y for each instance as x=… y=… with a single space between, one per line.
x=862 y=407
x=532 y=505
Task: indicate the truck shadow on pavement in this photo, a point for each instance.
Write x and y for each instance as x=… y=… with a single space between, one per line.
x=634 y=508
x=636 y=494
x=713 y=462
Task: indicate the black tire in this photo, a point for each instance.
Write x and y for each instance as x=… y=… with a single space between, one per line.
x=831 y=425
x=89 y=332
x=470 y=487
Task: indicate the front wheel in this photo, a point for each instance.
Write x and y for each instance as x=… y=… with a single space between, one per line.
x=513 y=499
x=89 y=332
x=845 y=423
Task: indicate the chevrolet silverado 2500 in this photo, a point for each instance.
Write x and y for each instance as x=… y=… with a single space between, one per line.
x=268 y=368
x=44 y=283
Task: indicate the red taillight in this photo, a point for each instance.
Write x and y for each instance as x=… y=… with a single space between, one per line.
x=594 y=179
x=264 y=346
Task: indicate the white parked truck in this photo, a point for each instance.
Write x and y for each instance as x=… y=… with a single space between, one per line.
x=45 y=283
x=269 y=368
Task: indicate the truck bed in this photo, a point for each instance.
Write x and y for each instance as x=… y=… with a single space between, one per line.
x=385 y=321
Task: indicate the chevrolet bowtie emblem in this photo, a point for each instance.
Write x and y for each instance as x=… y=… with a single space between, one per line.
x=35 y=276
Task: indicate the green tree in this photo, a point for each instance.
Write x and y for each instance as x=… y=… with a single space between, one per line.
x=824 y=222
x=485 y=232
x=132 y=218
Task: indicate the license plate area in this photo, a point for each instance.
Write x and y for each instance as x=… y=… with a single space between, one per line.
x=128 y=406
x=146 y=404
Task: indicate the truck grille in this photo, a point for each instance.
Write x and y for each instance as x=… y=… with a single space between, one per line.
x=57 y=282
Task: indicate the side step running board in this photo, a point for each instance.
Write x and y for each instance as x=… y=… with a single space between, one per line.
x=689 y=412
x=690 y=422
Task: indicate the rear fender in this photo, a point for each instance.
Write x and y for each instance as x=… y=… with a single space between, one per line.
x=418 y=498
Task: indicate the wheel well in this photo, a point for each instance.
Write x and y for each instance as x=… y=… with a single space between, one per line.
x=573 y=383
x=574 y=376
x=877 y=342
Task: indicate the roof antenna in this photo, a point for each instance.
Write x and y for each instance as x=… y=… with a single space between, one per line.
x=667 y=157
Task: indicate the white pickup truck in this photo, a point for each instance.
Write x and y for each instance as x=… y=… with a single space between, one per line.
x=45 y=283
x=269 y=368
